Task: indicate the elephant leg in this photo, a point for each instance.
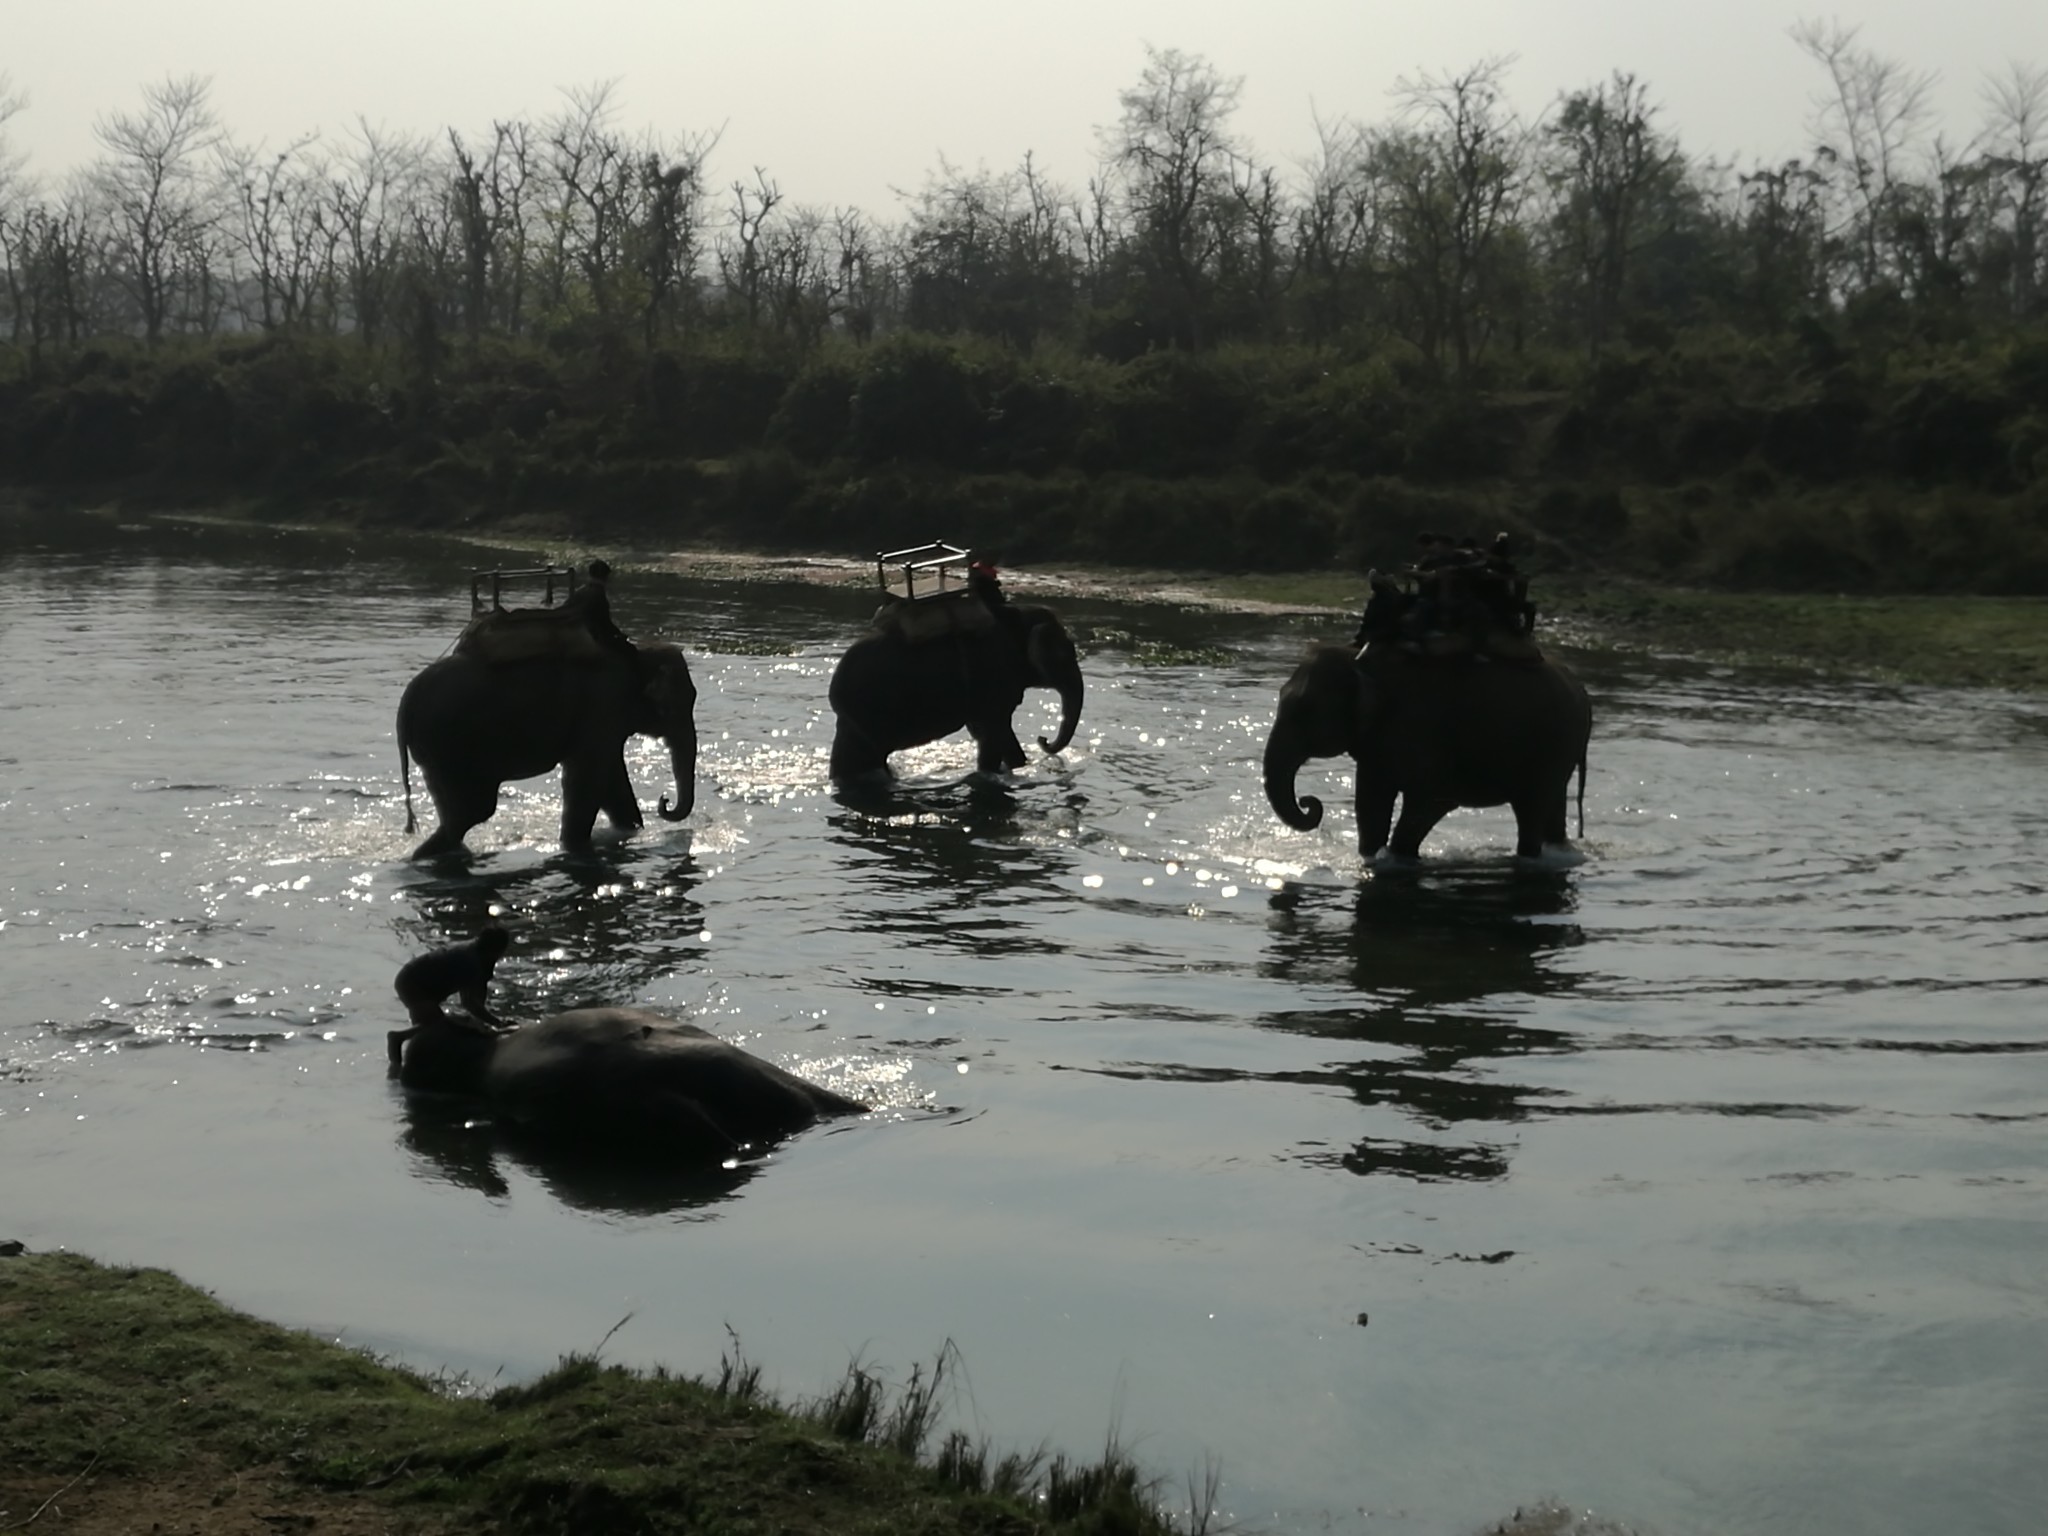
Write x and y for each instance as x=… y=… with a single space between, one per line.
x=1419 y=816
x=1375 y=804
x=855 y=754
x=457 y=808
x=621 y=802
x=1533 y=822
x=996 y=746
x=583 y=790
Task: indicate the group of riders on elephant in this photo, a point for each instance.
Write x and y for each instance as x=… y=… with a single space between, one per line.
x=528 y=690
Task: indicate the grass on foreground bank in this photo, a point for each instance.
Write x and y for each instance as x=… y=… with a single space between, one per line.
x=127 y=1393
x=130 y=1401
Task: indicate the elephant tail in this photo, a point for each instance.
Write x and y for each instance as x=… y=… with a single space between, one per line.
x=1582 y=793
x=405 y=774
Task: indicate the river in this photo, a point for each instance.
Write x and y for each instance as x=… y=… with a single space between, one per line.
x=1700 y=1184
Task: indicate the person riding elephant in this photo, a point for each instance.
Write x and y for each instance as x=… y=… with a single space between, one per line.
x=1436 y=733
x=894 y=689
x=624 y=1080
x=475 y=723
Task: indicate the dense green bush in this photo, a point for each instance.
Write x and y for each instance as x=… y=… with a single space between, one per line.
x=1808 y=461
x=815 y=414
x=918 y=400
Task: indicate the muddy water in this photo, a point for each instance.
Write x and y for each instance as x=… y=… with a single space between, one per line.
x=1701 y=1183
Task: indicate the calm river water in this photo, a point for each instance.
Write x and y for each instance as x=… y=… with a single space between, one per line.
x=1701 y=1184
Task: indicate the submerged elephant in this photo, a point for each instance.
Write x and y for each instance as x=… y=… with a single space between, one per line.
x=897 y=687
x=617 y=1079
x=1438 y=733
x=474 y=723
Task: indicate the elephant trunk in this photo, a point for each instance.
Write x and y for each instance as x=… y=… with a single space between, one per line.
x=1284 y=758
x=682 y=752
x=1056 y=664
x=1070 y=712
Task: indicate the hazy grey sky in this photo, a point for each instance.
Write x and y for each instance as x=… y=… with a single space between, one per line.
x=841 y=102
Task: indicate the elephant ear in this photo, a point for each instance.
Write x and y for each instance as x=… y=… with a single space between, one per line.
x=1046 y=647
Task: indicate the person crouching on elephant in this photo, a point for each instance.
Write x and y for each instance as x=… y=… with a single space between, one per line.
x=461 y=970
x=984 y=583
x=592 y=602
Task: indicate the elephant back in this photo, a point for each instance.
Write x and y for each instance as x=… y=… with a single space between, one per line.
x=508 y=635
x=935 y=617
x=1458 y=645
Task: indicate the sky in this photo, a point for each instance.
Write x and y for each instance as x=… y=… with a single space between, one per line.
x=856 y=103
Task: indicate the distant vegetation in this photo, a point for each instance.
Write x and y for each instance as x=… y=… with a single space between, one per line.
x=1829 y=374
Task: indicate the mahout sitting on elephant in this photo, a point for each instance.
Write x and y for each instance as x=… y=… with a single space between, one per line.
x=528 y=690
x=625 y=1080
x=1436 y=732
x=908 y=682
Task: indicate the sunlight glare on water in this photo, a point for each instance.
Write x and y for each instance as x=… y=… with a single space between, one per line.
x=1695 y=1173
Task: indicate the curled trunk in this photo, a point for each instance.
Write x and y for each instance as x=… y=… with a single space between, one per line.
x=1070 y=713
x=1056 y=664
x=1283 y=761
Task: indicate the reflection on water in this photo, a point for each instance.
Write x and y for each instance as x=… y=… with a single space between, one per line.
x=1169 y=1095
x=448 y=1139
x=1425 y=957
x=587 y=930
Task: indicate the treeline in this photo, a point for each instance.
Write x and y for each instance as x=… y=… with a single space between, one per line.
x=1830 y=371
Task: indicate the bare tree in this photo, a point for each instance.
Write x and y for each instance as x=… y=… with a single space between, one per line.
x=1606 y=165
x=667 y=230
x=797 y=271
x=864 y=272
x=277 y=222
x=1868 y=122
x=1174 y=150
x=476 y=232
x=2017 y=155
x=1342 y=227
x=1252 y=277
x=595 y=183
x=1456 y=170
x=157 y=202
x=370 y=192
x=14 y=191
x=742 y=255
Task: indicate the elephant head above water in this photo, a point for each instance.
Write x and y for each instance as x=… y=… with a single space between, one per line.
x=618 y=1079
x=894 y=688
x=474 y=724
x=1436 y=733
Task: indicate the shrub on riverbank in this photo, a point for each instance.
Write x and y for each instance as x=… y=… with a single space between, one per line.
x=1803 y=464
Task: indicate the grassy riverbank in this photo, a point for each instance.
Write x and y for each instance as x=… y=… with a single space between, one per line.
x=1953 y=641
x=131 y=1401
x=1947 y=640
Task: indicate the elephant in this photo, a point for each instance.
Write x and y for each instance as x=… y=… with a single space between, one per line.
x=1439 y=733
x=625 y=1080
x=893 y=689
x=475 y=723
